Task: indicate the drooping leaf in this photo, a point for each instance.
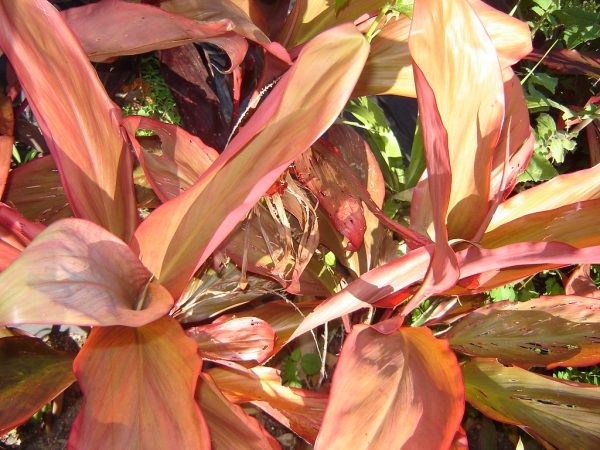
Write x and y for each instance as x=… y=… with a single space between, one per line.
x=115 y=28
x=235 y=339
x=7 y=116
x=207 y=10
x=31 y=375
x=75 y=272
x=138 y=386
x=564 y=413
x=35 y=190
x=560 y=191
x=462 y=69
x=229 y=425
x=299 y=409
x=546 y=331
x=6 y=149
x=172 y=159
x=389 y=285
x=78 y=120
x=296 y=112
x=407 y=383
x=568 y=61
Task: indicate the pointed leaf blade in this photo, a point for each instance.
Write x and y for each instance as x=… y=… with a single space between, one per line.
x=138 y=386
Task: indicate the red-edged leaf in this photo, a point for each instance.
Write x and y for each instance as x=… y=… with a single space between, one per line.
x=468 y=89
x=424 y=399
x=208 y=10
x=581 y=283
x=297 y=111
x=78 y=120
x=564 y=413
x=138 y=386
x=31 y=375
x=235 y=339
x=559 y=191
x=115 y=28
x=384 y=285
x=35 y=190
x=172 y=159
x=546 y=331
x=75 y=272
x=15 y=233
x=229 y=425
x=300 y=410
x=215 y=293
x=551 y=225
x=444 y=271
x=388 y=69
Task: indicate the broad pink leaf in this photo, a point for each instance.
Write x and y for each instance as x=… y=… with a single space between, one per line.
x=407 y=383
x=575 y=224
x=15 y=233
x=75 y=272
x=564 y=413
x=560 y=191
x=468 y=89
x=302 y=410
x=545 y=331
x=35 y=190
x=581 y=283
x=31 y=375
x=78 y=120
x=138 y=386
x=297 y=111
x=112 y=28
x=229 y=425
x=444 y=271
x=235 y=339
x=208 y=10
x=172 y=159
x=388 y=69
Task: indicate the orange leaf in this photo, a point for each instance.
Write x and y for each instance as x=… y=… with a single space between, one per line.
x=75 y=272
x=298 y=110
x=407 y=383
x=78 y=120
x=138 y=386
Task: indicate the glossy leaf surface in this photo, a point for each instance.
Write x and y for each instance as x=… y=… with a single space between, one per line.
x=138 y=386
x=76 y=272
x=78 y=120
x=16 y=233
x=407 y=383
x=564 y=413
x=461 y=67
x=546 y=331
x=298 y=110
x=31 y=375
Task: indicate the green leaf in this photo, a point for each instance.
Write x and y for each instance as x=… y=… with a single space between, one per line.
x=311 y=363
x=503 y=293
x=538 y=169
x=339 y=4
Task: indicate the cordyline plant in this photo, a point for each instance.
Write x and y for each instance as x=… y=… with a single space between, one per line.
x=137 y=279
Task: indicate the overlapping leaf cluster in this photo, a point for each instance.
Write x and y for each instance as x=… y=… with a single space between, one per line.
x=287 y=186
